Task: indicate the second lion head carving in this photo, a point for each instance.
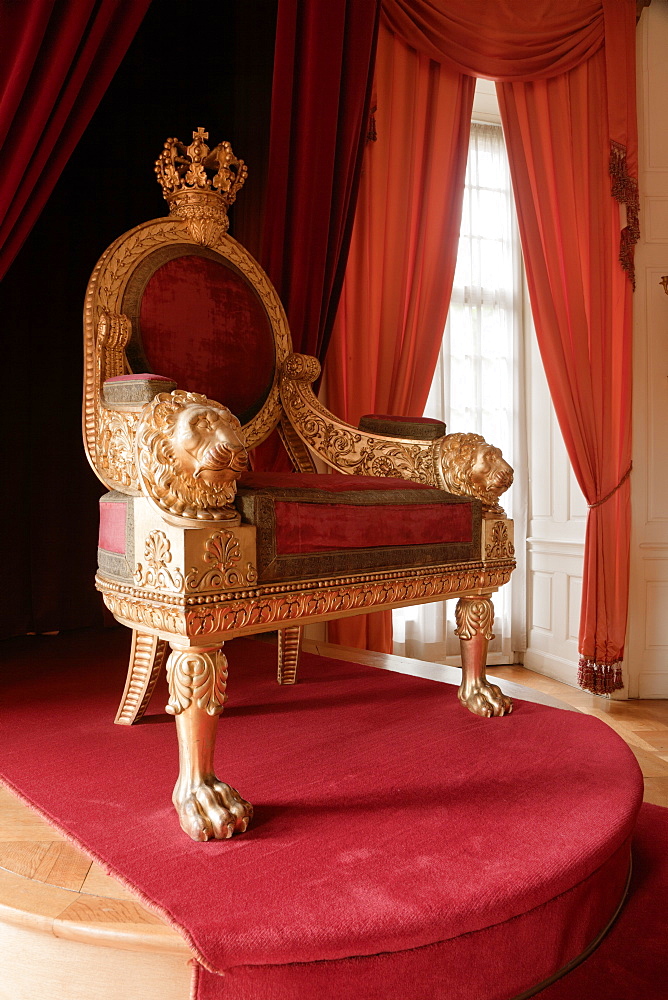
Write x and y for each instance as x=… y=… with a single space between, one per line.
x=470 y=465
x=190 y=452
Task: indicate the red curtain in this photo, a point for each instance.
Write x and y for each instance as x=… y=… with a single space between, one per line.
x=402 y=259
x=323 y=70
x=56 y=61
x=567 y=130
x=581 y=301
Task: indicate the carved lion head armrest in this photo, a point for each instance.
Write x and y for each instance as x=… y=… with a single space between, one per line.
x=463 y=464
x=189 y=454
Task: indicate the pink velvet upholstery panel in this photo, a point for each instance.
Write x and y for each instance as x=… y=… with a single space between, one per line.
x=139 y=377
x=203 y=325
x=112 y=526
x=307 y=527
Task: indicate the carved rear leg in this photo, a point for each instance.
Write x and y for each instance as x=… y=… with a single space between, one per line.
x=475 y=617
x=147 y=658
x=289 y=648
x=207 y=808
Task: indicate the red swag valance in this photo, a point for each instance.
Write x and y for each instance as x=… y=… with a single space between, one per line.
x=514 y=41
x=565 y=75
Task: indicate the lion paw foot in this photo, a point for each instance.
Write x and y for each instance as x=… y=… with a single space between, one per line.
x=483 y=698
x=211 y=809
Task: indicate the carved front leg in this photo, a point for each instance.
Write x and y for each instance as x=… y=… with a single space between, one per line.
x=475 y=617
x=207 y=808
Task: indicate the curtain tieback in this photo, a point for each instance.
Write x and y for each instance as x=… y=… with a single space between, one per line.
x=613 y=490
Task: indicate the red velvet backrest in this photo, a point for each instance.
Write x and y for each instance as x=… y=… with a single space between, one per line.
x=198 y=320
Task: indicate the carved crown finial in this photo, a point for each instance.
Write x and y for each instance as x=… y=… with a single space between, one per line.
x=199 y=183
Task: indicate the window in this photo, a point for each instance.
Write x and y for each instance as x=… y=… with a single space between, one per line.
x=477 y=385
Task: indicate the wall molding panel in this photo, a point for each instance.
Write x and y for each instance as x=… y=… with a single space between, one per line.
x=646 y=657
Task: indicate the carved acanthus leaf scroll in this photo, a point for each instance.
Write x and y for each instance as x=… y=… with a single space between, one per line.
x=463 y=464
x=196 y=676
x=473 y=616
x=115 y=448
x=342 y=446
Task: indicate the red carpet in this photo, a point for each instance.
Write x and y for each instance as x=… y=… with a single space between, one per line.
x=396 y=836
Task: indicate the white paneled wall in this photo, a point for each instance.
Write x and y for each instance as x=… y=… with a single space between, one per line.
x=555 y=545
x=646 y=658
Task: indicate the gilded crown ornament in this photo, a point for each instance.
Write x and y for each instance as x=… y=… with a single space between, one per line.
x=199 y=184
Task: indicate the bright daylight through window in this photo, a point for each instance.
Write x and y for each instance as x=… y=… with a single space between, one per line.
x=477 y=385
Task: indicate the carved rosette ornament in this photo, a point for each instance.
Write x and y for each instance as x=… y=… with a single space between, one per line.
x=189 y=453
x=196 y=676
x=474 y=616
x=199 y=184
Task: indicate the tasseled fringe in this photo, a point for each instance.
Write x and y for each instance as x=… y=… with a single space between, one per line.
x=625 y=191
x=372 y=134
x=600 y=678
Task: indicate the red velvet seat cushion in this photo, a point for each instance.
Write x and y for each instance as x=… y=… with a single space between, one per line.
x=313 y=525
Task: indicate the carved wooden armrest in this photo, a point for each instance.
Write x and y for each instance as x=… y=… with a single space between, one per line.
x=464 y=464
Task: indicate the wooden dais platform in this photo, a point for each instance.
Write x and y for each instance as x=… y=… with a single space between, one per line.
x=68 y=931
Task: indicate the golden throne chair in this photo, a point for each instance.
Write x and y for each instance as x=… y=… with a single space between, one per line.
x=196 y=550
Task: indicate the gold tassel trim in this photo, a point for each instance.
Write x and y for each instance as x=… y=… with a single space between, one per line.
x=600 y=678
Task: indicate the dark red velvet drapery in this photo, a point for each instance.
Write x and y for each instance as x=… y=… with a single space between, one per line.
x=56 y=61
x=323 y=70
x=566 y=73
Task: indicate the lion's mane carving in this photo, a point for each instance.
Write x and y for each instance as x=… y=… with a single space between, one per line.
x=472 y=466
x=190 y=452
